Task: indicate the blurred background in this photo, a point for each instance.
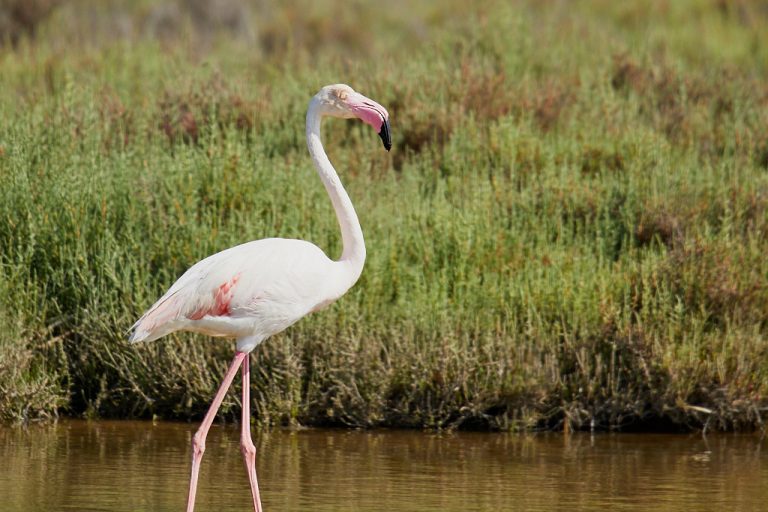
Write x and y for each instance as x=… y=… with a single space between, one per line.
x=569 y=232
x=263 y=25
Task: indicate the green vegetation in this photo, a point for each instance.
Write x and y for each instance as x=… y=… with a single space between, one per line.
x=569 y=232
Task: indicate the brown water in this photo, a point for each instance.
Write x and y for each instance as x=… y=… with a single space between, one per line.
x=137 y=466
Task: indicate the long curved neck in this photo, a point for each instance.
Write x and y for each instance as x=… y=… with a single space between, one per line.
x=351 y=232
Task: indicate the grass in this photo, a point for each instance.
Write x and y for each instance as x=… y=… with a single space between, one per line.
x=569 y=232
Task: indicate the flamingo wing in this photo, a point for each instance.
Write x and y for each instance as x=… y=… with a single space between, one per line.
x=257 y=288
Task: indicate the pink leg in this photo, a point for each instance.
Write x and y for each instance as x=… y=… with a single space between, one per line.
x=198 y=441
x=246 y=444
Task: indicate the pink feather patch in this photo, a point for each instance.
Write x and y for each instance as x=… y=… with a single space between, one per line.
x=221 y=301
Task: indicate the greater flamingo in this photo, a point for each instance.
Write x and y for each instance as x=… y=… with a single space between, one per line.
x=257 y=289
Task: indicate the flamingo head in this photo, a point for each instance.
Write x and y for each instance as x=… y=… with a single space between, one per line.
x=340 y=100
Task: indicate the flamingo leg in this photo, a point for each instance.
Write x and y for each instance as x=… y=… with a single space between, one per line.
x=198 y=440
x=246 y=443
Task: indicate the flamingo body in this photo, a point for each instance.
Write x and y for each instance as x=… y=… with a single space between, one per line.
x=249 y=292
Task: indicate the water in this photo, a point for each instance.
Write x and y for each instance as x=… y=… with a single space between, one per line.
x=138 y=466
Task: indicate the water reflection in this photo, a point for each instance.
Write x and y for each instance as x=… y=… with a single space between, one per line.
x=133 y=466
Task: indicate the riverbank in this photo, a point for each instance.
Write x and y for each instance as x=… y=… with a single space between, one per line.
x=570 y=231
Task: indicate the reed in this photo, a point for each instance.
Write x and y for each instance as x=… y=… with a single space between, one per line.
x=569 y=233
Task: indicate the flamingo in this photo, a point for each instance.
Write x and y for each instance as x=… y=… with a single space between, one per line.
x=251 y=291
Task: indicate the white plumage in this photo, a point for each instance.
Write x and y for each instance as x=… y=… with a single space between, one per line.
x=248 y=292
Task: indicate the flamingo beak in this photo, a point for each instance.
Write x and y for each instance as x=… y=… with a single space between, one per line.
x=372 y=114
x=386 y=138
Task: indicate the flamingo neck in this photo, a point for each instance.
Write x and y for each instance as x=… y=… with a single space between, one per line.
x=353 y=253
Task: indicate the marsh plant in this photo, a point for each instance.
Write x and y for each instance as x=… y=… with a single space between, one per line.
x=570 y=230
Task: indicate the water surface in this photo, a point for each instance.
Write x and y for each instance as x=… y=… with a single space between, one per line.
x=140 y=466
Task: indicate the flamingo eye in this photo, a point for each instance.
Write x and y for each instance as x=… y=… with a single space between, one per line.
x=341 y=94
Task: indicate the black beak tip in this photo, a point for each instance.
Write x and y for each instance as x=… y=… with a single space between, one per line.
x=385 y=135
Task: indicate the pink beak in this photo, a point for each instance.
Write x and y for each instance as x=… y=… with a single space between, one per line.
x=373 y=114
